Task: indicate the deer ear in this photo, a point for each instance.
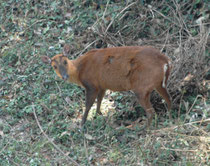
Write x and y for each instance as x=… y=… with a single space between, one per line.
x=66 y=50
x=46 y=59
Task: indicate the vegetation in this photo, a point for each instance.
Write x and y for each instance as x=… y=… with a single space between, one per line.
x=40 y=114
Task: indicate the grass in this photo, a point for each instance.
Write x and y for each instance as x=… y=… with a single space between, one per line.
x=40 y=114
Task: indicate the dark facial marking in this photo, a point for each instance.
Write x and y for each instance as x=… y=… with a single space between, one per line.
x=63 y=72
x=65 y=62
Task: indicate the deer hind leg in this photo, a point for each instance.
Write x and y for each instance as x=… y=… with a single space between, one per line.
x=164 y=93
x=99 y=99
x=144 y=100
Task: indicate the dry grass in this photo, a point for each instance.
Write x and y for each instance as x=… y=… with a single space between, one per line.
x=187 y=51
x=40 y=115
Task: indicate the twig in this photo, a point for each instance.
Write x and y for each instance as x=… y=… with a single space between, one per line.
x=58 y=88
x=81 y=52
x=179 y=111
x=143 y=154
x=86 y=151
x=12 y=161
x=7 y=156
x=206 y=120
x=34 y=24
x=165 y=17
x=191 y=107
x=3 y=148
x=174 y=127
x=118 y=15
x=40 y=127
x=182 y=150
x=180 y=17
x=105 y=9
x=167 y=36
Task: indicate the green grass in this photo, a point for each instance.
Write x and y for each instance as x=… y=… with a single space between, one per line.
x=29 y=89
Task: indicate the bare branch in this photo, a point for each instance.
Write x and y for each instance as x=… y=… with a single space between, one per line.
x=50 y=140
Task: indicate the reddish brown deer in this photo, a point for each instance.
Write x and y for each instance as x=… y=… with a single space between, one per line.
x=140 y=69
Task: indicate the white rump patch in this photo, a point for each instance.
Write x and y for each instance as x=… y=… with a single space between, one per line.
x=165 y=67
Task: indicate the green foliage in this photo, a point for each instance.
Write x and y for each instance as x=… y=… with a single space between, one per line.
x=31 y=29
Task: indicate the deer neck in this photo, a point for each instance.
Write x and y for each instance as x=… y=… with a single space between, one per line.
x=73 y=72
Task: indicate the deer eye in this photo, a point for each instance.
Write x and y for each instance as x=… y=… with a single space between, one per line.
x=55 y=67
x=65 y=62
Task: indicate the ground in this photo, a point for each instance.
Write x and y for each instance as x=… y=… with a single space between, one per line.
x=40 y=113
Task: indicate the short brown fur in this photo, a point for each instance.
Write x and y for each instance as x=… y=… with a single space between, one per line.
x=140 y=69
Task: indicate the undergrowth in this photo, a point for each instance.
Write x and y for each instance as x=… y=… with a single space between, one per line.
x=40 y=114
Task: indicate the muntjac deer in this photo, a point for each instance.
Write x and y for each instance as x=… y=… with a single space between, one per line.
x=140 y=69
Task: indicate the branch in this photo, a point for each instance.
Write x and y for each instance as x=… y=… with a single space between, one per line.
x=40 y=127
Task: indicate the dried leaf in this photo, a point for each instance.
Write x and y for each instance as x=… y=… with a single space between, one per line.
x=89 y=137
